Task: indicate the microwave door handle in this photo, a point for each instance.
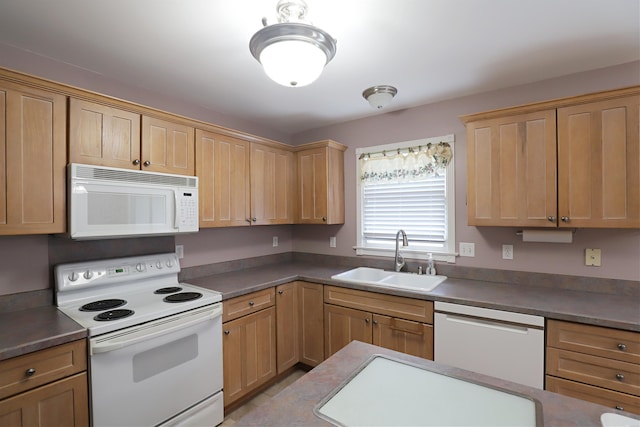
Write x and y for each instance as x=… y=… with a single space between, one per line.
x=176 y=200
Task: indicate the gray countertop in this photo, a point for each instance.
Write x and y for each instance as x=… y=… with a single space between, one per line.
x=610 y=310
x=33 y=329
x=294 y=405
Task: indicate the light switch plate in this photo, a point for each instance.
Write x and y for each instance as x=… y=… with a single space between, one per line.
x=593 y=257
x=275 y=241
x=332 y=242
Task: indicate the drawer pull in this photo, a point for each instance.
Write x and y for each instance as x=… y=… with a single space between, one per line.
x=29 y=372
x=620 y=377
x=251 y=303
x=619 y=408
x=622 y=347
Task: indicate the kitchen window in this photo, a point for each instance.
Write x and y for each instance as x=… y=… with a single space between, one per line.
x=408 y=186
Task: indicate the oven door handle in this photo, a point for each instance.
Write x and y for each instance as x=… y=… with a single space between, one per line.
x=120 y=339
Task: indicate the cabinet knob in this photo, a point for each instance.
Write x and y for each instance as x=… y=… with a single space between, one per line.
x=565 y=219
x=227 y=332
x=324 y=219
x=551 y=218
x=249 y=220
x=146 y=163
x=619 y=408
x=253 y=219
x=136 y=162
x=29 y=372
x=375 y=322
x=251 y=303
x=280 y=292
x=366 y=321
x=622 y=347
x=620 y=377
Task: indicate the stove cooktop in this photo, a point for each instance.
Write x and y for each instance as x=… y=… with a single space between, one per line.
x=108 y=295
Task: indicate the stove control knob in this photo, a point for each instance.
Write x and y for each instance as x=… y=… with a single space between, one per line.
x=159 y=265
x=140 y=267
x=169 y=263
x=88 y=274
x=73 y=276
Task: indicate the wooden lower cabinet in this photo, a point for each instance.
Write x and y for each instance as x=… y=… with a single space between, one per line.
x=343 y=325
x=594 y=363
x=287 y=326
x=311 y=321
x=46 y=388
x=61 y=403
x=405 y=336
x=249 y=353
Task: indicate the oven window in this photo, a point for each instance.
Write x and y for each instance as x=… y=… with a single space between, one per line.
x=164 y=357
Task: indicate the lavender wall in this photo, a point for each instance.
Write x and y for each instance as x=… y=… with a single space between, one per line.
x=25 y=261
x=620 y=248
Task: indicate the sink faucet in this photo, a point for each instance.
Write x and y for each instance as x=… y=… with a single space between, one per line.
x=399 y=259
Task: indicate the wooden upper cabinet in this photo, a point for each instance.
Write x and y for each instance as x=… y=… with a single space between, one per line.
x=599 y=164
x=511 y=170
x=32 y=160
x=167 y=146
x=321 y=183
x=273 y=172
x=515 y=178
x=222 y=168
x=102 y=135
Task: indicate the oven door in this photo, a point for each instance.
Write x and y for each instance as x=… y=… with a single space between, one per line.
x=151 y=373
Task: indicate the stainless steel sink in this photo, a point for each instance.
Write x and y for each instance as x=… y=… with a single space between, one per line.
x=390 y=279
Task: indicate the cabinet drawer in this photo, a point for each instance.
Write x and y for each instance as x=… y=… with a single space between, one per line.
x=404 y=308
x=601 y=396
x=596 y=340
x=34 y=369
x=247 y=304
x=611 y=374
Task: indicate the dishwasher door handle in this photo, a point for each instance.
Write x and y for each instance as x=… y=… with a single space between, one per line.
x=485 y=323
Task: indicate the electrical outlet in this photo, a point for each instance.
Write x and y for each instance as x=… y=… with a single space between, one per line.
x=275 y=241
x=180 y=251
x=332 y=242
x=593 y=257
x=467 y=249
x=507 y=251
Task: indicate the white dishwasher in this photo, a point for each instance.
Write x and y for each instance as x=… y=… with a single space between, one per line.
x=499 y=343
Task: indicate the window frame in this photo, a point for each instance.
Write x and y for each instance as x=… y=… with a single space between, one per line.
x=446 y=254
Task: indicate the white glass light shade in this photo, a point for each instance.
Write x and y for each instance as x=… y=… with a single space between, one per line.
x=293 y=63
x=380 y=100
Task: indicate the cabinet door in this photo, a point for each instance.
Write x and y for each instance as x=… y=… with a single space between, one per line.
x=404 y=336
x=249 y=353
x=310 y=305
x=511 y=171
x=599 y=164
x=343 y=325
x=287 y=325
x=232 y=360
x=33 y=160
x=103 y=136
x=312 y=186
x=167 y=147
x=222 y=168
x=272 y=185
x=61 y=403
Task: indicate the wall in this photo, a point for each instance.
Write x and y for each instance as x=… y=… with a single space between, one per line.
x=26 y=261
x=620 y=248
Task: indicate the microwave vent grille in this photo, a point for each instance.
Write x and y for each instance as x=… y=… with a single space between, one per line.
x=122 y=175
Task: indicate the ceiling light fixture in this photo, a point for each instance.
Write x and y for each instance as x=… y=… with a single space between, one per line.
x=379 y=96
x=292 y=52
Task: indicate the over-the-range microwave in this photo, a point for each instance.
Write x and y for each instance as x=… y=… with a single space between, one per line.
x=109 y=202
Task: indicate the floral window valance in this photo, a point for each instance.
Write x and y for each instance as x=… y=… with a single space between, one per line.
x=405 y=164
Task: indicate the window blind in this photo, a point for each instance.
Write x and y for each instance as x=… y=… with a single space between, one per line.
x=418 y=207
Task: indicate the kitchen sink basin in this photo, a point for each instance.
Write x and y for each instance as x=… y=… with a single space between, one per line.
x=390 y=279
